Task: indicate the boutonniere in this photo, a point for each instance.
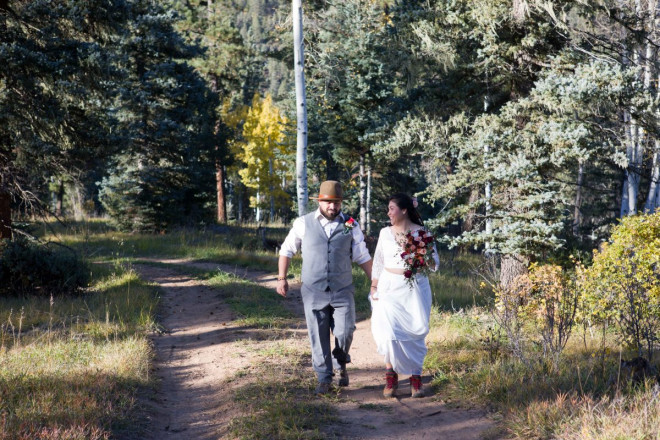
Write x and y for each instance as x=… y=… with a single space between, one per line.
x=349 y=225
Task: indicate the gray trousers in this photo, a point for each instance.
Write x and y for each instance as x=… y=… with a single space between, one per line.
x=326 y=312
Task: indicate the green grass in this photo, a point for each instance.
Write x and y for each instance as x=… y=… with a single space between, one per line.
x=279 y=405
x=238 y=245
x=379 y=407
x=257 y=306
x=468 y=365
x=454 y=285
x=72 y=368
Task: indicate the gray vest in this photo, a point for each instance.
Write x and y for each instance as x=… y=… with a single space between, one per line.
x=326 y=261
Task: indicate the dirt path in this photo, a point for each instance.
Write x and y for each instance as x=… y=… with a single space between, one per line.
x=203 y=347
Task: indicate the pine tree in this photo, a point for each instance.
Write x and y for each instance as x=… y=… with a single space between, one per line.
x=56 y=89
x=165 y=175
x=351 y=86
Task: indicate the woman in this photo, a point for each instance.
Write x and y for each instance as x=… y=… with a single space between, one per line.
x=400 y=308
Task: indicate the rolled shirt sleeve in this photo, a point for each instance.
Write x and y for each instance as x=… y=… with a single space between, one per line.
x=293 y=240
x=360 y=251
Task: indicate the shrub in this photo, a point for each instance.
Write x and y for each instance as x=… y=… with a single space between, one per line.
x=541 y=304
x=623 y=283
x=28 y=267
x=552 y=306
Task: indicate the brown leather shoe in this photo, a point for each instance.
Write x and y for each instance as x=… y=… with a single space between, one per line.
x=416 y=389
x=391 y=383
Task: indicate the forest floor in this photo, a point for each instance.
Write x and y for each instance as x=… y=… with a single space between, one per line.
x=206 y=356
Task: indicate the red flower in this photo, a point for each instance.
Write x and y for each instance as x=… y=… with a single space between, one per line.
x=349 y=225
x=417 y=253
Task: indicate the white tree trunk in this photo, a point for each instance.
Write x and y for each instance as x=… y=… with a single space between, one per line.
x=367 y=226
x=489 y=195
x=489 y=186
x=652 y=199
x=272 y=190
x=363 y=192
x=634 y=137
x=657 y=196
x=634 y=165
x=625 y=206
x=577 y=214
x=258 y=201
x=301 y=106
x=634 y=152
x=651 y=57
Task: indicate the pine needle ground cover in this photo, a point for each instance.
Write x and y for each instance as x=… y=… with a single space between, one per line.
x=72 y=367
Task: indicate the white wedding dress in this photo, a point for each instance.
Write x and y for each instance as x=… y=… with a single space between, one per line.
x=400 y=316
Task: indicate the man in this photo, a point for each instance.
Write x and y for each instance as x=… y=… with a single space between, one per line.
x=329 y=242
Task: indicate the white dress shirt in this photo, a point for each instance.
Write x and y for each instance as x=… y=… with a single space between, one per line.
x=293 y=241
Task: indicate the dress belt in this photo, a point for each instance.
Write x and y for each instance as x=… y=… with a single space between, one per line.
x=395 y=270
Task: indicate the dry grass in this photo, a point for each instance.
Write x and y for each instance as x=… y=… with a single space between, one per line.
x=585 y=398
x=237 y=245
x=469 y=364
x=274 y=401
x=71 y=368
x=634 y=416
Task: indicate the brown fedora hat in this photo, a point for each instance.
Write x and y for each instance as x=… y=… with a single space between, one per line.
x=329 y=190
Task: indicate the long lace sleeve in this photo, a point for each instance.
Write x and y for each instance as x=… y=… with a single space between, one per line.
x=436 y=258
x=379 y=261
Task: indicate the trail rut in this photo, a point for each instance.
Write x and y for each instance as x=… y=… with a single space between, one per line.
x=203 y=346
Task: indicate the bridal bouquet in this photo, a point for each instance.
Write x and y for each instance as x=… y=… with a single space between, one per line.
x=417 y=254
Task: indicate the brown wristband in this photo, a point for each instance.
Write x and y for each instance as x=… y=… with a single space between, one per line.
x=279 y=278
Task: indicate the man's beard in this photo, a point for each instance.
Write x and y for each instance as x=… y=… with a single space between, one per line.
x=327 y=215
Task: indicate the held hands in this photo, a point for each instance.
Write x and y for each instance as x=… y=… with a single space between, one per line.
x=372 y=293
x=282 y=286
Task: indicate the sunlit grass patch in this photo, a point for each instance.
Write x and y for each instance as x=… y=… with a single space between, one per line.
x=71 y=366
x=455 y=285
x=238 y=245
x=71 y=384
x=280 y=405
x=616 y=417
x=292 y=351
x=376 y=407
x=256 y=306
x=582 y=398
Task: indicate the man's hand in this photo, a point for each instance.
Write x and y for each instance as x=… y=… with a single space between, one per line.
x=282 y=269
x=282 y=287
